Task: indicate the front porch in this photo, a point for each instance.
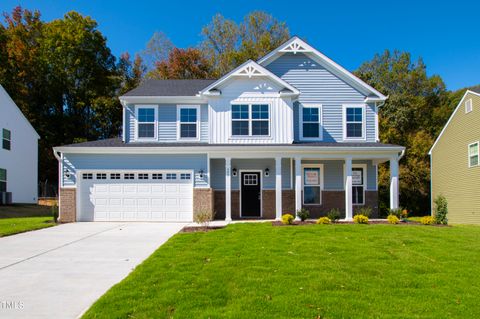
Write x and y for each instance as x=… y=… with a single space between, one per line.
x=317 y=182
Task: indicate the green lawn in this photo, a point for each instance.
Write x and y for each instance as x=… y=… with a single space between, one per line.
x=20 y=218
x=315 y=271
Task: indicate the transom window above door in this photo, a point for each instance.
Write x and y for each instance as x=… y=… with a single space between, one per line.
x=354 y=122
x=146 y=122
x=188 y=117
x=250 y=120
x=311 y=127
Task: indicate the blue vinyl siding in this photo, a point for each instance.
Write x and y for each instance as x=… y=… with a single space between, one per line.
x=318 y=85
x=194 y=162
x=167 y=123
x=217 y=169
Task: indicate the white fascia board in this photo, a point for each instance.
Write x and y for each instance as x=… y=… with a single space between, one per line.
x=450 y=118
x=261 y=69
x=323 y=58
x=161 y=99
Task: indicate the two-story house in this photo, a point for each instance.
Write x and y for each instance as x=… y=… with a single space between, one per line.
x=291 y=130
x=18 y=154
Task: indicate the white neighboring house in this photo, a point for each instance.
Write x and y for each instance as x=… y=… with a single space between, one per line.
x=18 y=153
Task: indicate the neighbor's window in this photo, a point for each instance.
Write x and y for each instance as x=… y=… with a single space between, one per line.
x=473 y=154
x=468 y=106
x=311 y=186
x=7 y=139
x=250 y=120
x=146 y=122
x=354 y=122
x=358 y=186
x=188 y=122
x=311 y=122
x=3 y=180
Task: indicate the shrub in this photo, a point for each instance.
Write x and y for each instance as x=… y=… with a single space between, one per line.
x=427 y=220
x=334 y=215
x=392 y=219
x=441 y=210
x=360 y=219
x=365 y=211
x=404 y=214
x=397 y=212
x=54 y=209
x=203 y=217
x=303 y=214
x=287 y=219
x=324 y=220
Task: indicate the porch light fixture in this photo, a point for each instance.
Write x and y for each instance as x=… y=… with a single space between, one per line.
x=234 y=172
x=267 y=172
x=200 y=173
x=67 y=173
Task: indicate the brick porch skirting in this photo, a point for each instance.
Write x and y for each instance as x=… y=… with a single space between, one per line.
x=330 y=199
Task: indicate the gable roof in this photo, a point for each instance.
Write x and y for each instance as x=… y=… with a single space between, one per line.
x=251 y=69
x=296 y=45
x=475 y=92
x=19 y=112
x=169 y=88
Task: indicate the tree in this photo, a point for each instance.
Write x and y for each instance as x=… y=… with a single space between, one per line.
x=130 y=72
x=227 y=44
x=158 y=48
x=412 y=116
x=183 y=64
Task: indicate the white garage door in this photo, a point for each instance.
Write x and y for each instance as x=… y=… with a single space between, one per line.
x=135 y=196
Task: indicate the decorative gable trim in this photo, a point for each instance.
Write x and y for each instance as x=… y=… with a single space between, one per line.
x=297 y=45
x=451 y=117
x=249 y=69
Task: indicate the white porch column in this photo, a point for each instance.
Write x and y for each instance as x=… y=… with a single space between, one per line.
x=348 y=189
x=278 y=188
x=228 y=189
x=298 y=184
x=394 y=183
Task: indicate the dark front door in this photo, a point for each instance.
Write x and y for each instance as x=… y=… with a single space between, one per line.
x=251 y=194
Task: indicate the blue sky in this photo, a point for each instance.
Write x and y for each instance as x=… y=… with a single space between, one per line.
x=445 y=35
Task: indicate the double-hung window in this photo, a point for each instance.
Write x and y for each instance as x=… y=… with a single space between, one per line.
x=311 y=126
x=146 y=122
x=188 y=122
x=473 y=154
x=354 y=122
x=358 y=185
x=6 y=139
x=250 y=120
x=3 y=180
x=312 y=185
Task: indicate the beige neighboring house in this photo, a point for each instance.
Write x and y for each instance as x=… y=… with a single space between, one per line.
x=455 y=167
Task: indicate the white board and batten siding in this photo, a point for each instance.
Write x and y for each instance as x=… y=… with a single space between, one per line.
x=256 y=90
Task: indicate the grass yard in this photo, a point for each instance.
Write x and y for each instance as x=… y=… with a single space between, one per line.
x=20 y=218
x=314 y=271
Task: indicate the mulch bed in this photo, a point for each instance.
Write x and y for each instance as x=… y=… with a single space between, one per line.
x=196 y=229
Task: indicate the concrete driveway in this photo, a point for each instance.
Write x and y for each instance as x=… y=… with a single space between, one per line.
x=59 y=272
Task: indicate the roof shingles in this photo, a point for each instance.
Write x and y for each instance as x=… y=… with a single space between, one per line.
x=169 y=88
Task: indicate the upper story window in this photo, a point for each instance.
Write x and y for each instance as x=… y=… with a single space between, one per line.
x=250 y=120
x=188 y=121
x=3 y=180
x=473 y=154
x=146 y=122
x=7 y=139
x=311 y=126
x=354 y=122
x=468 y=106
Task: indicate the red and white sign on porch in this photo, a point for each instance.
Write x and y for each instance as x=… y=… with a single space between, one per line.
x=312 y=177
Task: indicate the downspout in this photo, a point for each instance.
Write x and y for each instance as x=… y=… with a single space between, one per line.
x=60 y=177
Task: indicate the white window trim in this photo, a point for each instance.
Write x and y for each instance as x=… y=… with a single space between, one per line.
x=470 y=156
x=179 y=122
x=365 y=182
x=321 y=182
x=250 y=120
x=320 y=122
x=468 y=106
x=364 y=122
x=155 y=127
